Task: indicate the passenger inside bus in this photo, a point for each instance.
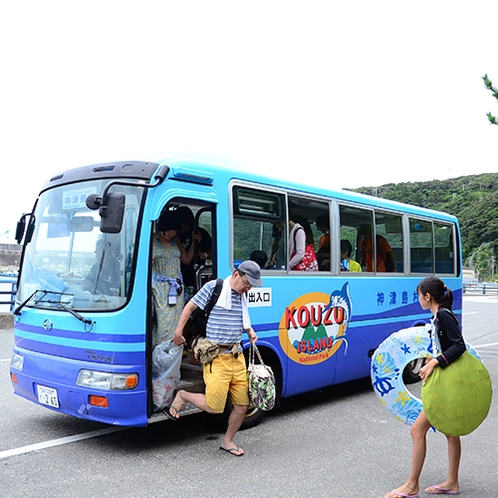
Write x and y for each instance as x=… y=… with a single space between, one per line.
x=385 y=261
x=167 y=280
x=259 y=257
x=301 y=245
x=203 y=244
x=348 y=264
x=323 y=253
x=277 y=252
x=103 y=277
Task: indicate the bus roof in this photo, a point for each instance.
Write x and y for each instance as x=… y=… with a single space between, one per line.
x=213 y=167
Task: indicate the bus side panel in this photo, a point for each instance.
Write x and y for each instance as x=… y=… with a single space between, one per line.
x=291 y=312
x=355 y=364
x=353 y=314
x=302 y=378
x=382 y=307
x=127 y=407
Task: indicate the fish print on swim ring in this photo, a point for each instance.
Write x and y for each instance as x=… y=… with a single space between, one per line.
x=388 y=363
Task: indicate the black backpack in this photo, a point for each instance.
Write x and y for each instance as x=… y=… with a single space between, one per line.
x=196 y=326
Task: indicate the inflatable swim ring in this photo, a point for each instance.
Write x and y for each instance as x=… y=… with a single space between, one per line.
x=388 y=363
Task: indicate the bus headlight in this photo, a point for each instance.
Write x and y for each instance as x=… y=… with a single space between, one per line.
x=17 y=361
x=107 y=381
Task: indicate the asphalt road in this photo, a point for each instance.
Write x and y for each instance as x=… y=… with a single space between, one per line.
x=339 y=442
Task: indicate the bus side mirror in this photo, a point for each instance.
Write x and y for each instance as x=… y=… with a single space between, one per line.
x=21 y=226
x=112 y=213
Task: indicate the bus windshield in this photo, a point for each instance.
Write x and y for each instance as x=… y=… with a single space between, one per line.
x=69 y=261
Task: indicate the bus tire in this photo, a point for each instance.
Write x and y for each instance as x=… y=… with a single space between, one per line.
x=410 y=373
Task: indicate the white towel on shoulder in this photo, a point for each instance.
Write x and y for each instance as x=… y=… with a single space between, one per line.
x=225 y=301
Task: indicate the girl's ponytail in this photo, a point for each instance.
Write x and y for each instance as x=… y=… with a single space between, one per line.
x=447 y=301
x=438 y=291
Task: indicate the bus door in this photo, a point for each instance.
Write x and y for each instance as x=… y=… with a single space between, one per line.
x=182 y=257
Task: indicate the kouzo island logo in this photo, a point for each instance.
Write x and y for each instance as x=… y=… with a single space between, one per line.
x=313 y=327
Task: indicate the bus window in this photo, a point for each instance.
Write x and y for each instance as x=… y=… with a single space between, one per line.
x=73 y=259
x=443 y=240
x=258 y=225
x=309 y=213
x=356 y=227
x=421 y=257
x=389 y=242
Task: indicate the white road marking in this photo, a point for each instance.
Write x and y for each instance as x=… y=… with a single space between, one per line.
x=481 y=299
x=486 y=345
x=57 y=442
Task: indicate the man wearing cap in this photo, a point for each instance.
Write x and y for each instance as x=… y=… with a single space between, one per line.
x=227 y=372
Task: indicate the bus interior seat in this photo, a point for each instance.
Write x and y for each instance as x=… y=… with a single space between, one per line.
x=420 y=267
x=444 y=266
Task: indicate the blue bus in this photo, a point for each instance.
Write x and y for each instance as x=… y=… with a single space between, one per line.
x=88 y=353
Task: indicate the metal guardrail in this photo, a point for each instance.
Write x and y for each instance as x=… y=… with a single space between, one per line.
x=8 y=291
x=484 y=288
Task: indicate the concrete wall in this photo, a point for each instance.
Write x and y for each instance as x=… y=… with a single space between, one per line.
x=10 y=254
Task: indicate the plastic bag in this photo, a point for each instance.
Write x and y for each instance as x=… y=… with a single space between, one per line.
x=166 y=363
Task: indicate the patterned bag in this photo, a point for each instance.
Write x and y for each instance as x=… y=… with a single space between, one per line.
x=309 y=261
x=262 y=392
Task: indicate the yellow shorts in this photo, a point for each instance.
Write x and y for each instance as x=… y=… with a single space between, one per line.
x=226 y=374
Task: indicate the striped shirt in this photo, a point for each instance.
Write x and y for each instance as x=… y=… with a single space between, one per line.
x=223 y=326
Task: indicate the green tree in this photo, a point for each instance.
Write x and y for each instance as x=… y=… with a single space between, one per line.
x=483 y=261
x=473 y=199
x=489 y=85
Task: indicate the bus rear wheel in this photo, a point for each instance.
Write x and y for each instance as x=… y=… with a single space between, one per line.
x=410 y=373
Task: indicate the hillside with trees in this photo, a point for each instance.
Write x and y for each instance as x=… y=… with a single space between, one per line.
x=473 y=199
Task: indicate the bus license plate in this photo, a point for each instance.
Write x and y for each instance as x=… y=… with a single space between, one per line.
x=48 y=396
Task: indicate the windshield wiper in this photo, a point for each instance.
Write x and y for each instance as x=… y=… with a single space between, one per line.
x=45 y=292
x=17 y=311
x=72 y=312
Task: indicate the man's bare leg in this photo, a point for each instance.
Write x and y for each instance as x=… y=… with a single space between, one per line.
x=234 y=422
x=183 y=397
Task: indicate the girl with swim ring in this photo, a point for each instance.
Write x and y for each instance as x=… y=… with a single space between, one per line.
x=434 y=295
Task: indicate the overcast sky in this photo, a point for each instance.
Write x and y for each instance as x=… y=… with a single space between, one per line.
x=347 y=94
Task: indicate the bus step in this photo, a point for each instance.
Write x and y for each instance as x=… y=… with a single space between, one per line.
x=183 y=384
x=188 y=409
